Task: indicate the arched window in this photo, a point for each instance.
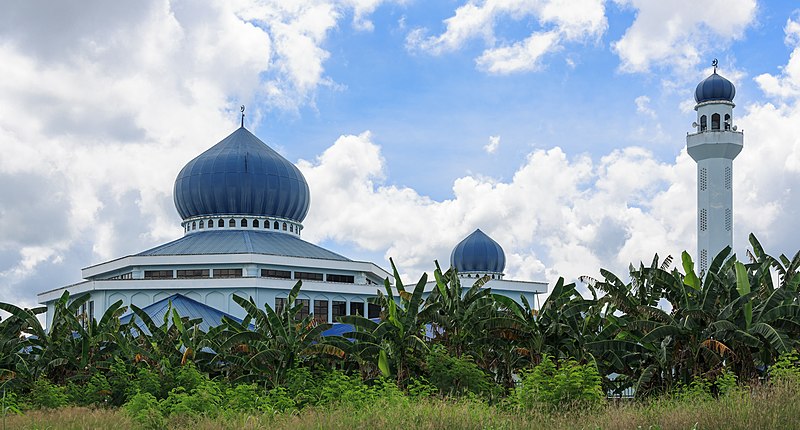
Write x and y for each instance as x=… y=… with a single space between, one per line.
x=284 y=226
x=232 y=223
x=256 y=224
x=202 y=223
x=703 y=123
x=291 y=228
x=715 y=121
x=275 y=226
x=727 y=122
x=244 y=222
x=221 y=223
x=194 y=225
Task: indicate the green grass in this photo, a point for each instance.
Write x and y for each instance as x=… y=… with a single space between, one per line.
x=761 y=408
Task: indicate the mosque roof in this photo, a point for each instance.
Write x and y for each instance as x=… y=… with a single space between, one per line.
x=714 y=88
x=241 y=175
x=243 y=242
x=186 y=307
x=478 y=253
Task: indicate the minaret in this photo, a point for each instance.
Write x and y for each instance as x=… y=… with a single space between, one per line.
x=713 y=146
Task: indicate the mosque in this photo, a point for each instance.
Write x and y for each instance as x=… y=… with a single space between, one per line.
x=242 y=207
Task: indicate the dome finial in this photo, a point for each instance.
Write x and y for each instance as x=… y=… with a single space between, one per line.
x=242 y=109
x=714 y=63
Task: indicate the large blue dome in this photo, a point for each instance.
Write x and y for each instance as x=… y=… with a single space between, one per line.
x=478 y=253
x=714 y=88
x=241 y=175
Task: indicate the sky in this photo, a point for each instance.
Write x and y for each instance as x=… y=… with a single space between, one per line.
x=555 y=126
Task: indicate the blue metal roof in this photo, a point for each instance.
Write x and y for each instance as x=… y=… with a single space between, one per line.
x=243 y=242
x=714 y=87
x=186 y=307
x=478 y=253
x=241 y=175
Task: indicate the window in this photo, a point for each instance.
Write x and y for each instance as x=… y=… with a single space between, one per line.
x=321 y=311
x=221 y=223
x=275 y=226
x=338 y=309
x=227 y=273
x=128 y=275
x=280 y=303
x=345 y=279
x=192 y=273
x=703 y=219
x=91 y=309
x=284 y=226
x=232 y=223
x=291 y=228
x=211 y=223
x=158 y=274
x=357 y=308
x=256 y=224
x=308 y=275
x=715 y=121
x=244 y=222
x=194 y=225
x=703 y=123
x=727 y=122
x=703 y=179
x=269 y=273
x=305 y=308
x=202 y=224
x=373 y=310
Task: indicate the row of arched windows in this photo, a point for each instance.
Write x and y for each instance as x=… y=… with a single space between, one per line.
x=715 y=122
x=242 y=223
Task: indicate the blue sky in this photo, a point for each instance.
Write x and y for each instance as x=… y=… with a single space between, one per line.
x=388 y=108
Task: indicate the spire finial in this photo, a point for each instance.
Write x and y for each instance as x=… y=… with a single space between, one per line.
x=714 y=63
x=242 y=109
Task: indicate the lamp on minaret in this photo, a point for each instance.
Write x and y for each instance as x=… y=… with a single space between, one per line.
x=714 y=145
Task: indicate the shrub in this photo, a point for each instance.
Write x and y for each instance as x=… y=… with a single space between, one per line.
x=565 y=385
x=145 y=381
x=204 y=400
x=419 y=388
x=145 y=410
x=248 y=398
x=786 y=368
x=45 y=394
x=456 y=376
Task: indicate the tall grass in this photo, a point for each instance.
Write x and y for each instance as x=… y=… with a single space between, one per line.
x=760 y=408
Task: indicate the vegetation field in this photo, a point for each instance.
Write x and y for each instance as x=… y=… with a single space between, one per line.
x=772 y=408
x=697 y=350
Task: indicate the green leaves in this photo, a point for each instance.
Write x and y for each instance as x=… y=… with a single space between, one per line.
x=743 y=287
x=691 y=279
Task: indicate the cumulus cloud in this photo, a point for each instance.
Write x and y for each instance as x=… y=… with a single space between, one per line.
x=558 y=216
x=494 y=143
x=678 y=33
x=787 y=84
x=559 y=21
x=95 y=102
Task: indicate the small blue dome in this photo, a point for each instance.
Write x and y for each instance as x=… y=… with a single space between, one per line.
x=241 y=175
x=478 y=253
x=714 y=87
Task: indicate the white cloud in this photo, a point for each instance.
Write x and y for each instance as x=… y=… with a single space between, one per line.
x=559 y=21
x=787 y=84
x=494 y=143
x=96 y=99
x=643 y=106
x=680 y=33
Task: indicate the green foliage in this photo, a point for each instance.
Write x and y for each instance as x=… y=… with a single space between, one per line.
x=145 y=381
x=456 y=376
x=420 y=388
x=45 y=394
x=205 y=399
x=562 y=385
x=145 y=410
x=786 y=369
